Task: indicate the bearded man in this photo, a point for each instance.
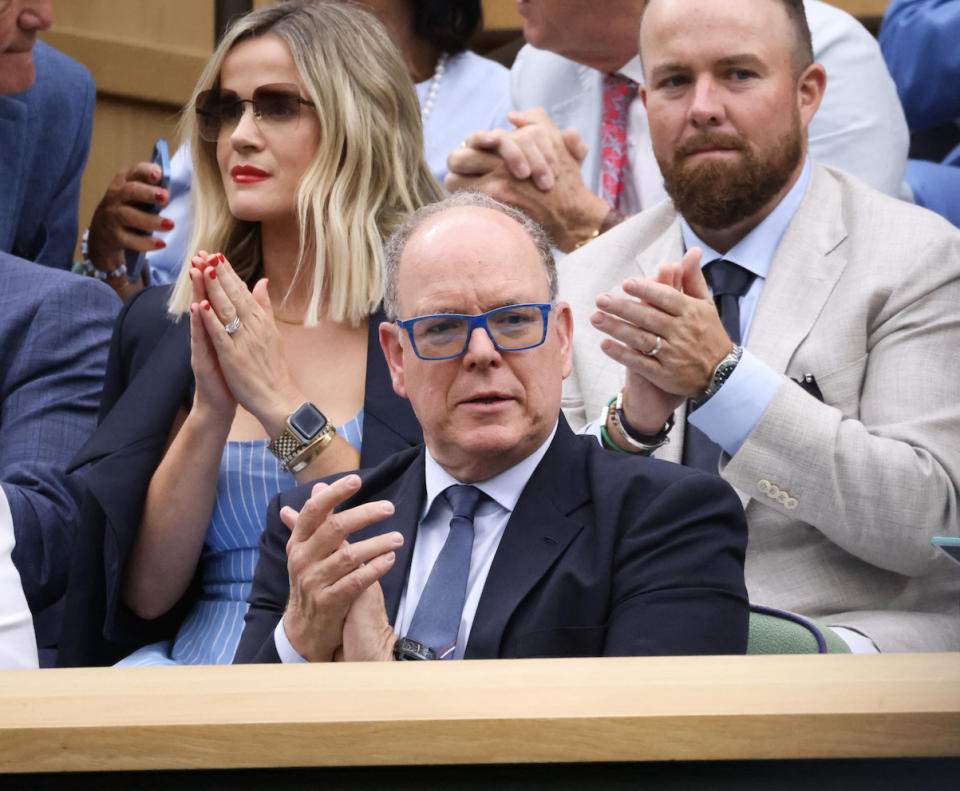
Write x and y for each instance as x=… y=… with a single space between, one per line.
x=802 y=339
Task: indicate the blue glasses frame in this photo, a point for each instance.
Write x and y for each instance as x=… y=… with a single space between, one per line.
x=477 y=321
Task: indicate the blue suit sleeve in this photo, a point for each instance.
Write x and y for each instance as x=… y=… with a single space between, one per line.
x=920 y=40
x=60 y=218
x=51 y=392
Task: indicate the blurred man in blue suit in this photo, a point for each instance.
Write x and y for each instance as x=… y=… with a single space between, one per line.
x=46 y=120
x=54 y=329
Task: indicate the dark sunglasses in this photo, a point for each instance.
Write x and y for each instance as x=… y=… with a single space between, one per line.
x=274 y=105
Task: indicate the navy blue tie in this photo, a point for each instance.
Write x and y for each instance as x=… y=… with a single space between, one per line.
x=436 y=621
x=728 y=282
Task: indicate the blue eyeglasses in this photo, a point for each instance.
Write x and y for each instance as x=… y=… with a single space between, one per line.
x=447 y=335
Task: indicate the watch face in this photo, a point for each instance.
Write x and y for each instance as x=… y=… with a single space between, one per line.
x=308 y=422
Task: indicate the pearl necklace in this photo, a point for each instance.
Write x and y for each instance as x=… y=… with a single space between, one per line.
x=434 y=85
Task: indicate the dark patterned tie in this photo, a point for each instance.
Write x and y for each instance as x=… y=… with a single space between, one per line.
x=618 y=93
x=437 y=618
x=728 y=282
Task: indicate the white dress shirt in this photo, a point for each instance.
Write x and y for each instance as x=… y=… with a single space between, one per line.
x=490 y=520
x=18 y=644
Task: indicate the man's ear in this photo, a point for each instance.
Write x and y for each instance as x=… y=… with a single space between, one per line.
x=810 y=88
x=563 y=324
x=393 y=352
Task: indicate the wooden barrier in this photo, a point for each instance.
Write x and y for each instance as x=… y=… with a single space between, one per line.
x=492 y=712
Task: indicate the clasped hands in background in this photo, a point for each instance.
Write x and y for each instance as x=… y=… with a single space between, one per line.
x=536 y=168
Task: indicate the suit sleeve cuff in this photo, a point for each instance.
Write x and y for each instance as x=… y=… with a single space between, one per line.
x=288 y=654
x=731 y=414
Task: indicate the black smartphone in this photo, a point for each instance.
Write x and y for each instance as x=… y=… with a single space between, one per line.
x=161 y=156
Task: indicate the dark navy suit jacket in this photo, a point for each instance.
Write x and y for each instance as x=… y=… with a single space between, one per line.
x=148 y=379
x=604 y=555
x=44 y=141
x=54 y=333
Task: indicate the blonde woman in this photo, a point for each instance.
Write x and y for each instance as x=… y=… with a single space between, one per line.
x=308 y=152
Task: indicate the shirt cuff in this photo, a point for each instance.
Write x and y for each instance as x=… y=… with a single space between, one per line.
x=288 y=654
x=731 y=414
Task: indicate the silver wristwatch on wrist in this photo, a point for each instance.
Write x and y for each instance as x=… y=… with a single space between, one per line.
x=306 y=433
x=723 y=371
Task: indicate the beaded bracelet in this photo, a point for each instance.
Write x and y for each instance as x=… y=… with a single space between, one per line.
x=88 y=266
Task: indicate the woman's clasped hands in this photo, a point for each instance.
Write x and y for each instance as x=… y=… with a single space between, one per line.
x=236 y=349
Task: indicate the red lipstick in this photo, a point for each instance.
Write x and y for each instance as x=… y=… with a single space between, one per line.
x=247 y=174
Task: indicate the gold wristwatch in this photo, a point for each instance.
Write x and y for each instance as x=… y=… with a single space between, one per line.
x=305 y=435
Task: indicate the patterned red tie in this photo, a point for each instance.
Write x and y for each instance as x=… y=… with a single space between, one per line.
x=618 y=93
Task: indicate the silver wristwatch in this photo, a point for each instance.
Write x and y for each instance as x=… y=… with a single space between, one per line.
x=723 y=371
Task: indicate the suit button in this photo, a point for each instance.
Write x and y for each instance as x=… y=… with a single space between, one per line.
x=791 y=503
x=783 y=498
x=774 y=491
x=763 y=485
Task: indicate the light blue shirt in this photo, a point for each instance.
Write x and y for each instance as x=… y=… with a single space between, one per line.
x=490 y=520
x=730 y=415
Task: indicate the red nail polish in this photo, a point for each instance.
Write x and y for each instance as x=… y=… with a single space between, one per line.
x=220 y=258
x=212 y=272
x=206 y=305
x=166 y=225
x=159 y=244
x=159 y=196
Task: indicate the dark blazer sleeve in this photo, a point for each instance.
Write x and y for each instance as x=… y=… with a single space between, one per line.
x=148 y=379
x=678 y=585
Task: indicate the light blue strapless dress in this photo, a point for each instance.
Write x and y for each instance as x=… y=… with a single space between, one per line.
x=249 y=477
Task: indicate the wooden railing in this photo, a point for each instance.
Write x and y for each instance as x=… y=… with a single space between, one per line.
x=481 y=712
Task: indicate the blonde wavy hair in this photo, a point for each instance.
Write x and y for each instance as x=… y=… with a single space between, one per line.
x=367 y=175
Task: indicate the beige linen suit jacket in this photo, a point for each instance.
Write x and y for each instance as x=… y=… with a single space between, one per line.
x=842 y=496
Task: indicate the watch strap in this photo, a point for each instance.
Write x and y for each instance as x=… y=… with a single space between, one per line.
x=295 y=452
x=641 y=444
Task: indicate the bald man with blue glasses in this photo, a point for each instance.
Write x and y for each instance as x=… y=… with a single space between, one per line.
x=505 y=535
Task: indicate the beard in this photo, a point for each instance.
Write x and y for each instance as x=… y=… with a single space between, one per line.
x=719 y=195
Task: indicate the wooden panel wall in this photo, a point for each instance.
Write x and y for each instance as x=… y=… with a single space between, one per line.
x=145 y=56
x=501 y=14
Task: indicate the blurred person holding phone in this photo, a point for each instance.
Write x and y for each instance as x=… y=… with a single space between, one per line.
x=308 y=152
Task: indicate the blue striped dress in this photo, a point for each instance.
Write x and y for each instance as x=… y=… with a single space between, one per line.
x=249 y=477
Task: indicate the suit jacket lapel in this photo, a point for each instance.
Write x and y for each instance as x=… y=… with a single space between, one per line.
x=407 y=493
x=538 y=532
x=804 y=271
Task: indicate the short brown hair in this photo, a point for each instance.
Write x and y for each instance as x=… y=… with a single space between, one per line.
x=797 y=16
